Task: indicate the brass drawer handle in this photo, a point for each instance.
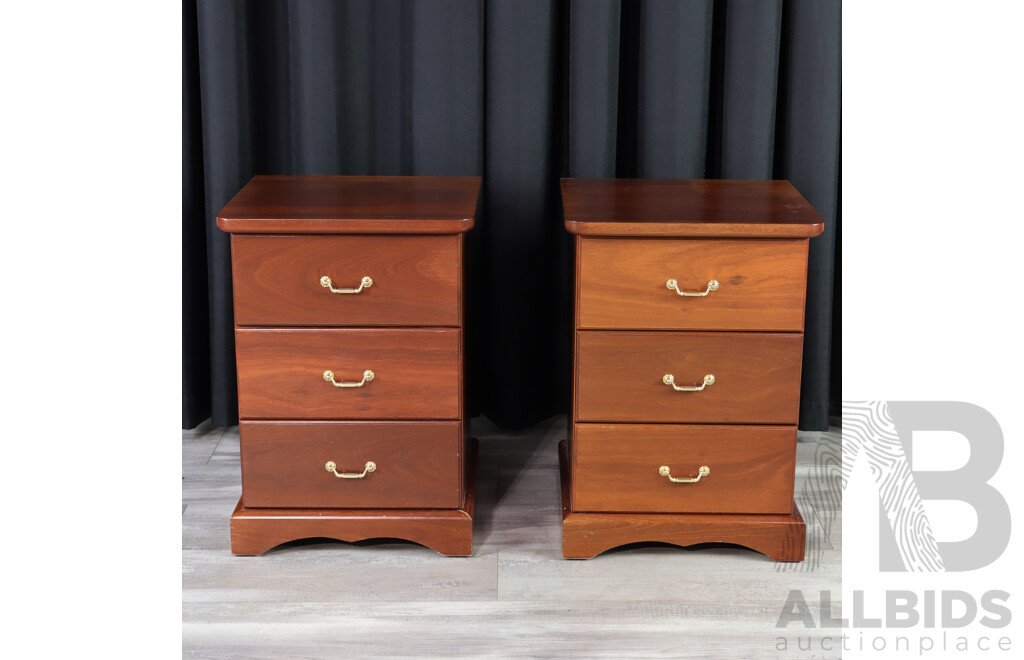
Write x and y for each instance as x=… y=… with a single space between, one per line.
x=367 y=377
x=333 y=467
x=674 y=286
x=669 y=379
x=702 y=471
x=364 y=283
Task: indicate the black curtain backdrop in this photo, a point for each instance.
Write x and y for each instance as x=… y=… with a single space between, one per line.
x=522 y=92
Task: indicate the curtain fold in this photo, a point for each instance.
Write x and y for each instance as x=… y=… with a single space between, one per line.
x=674 y=85
x=750 y=66
x=807 y=153
x=522 y=93
x=195 y=309
x=522 y=164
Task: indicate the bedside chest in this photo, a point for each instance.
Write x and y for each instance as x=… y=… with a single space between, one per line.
x=348 y=302
x=688 y=343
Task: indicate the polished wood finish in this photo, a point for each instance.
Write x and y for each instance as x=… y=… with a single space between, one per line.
x=352 y=205
x=416 y=280
x=752 y=468
x=757 y=377
x=406 y=233
x=632 y=330
x=280 y=373
x=586 y=535
x=687 y=208
x=447 y=531
x=417 y=464
x=761 y=283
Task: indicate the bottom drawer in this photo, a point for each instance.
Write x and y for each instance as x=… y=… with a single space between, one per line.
x=417 y=464
x=616 y=467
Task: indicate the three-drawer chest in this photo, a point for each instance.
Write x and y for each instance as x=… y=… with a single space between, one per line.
x=348 y=303
x=689 y=309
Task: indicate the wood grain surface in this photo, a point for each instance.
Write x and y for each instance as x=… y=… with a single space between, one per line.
x=585 y=535
x=619 y=377
x=352 y=205
x=447 y=531
x=280 y=373
x=616 y=468
x=417 y=464
x=622 y=284
x=416 y=280
x=687 y=208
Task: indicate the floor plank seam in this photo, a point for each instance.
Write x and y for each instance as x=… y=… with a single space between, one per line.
x=824 y=533
x=216 y=446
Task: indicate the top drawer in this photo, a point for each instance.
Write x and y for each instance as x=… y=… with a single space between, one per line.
x=623 y=284
x=278 y=280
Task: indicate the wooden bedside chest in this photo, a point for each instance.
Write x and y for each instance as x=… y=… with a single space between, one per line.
x=348 y=300
x=688 y=343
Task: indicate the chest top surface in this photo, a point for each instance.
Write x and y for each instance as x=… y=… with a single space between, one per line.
x=352 y=205
x=687 y=208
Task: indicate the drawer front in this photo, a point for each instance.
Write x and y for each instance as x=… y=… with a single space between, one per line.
x=761 y=284
x=415 y=373
x=617 y=468
x=620 y=377
x=415 y=280
x=416 y=464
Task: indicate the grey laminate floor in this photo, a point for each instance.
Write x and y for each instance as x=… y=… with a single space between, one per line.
x=516 y=596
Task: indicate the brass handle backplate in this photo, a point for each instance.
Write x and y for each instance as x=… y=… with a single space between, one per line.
x=333 y=467
x=669 y=379
x=673 y=285
x=367 y=377
x=702 y=471
x=364 y=283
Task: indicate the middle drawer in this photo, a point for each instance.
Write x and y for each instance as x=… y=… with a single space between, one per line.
x=415 y=373
x=620 y=377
